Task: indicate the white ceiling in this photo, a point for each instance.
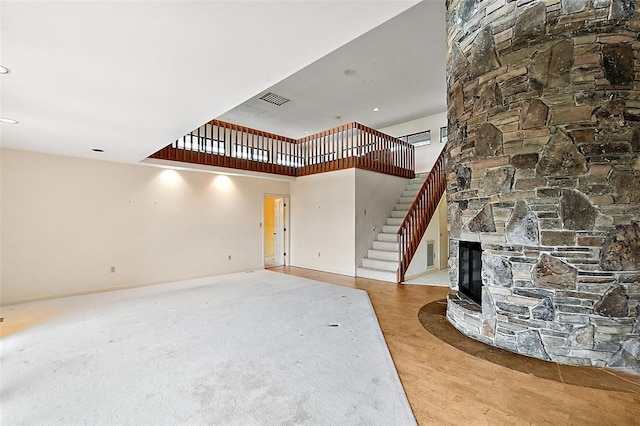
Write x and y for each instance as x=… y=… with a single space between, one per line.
x=397 y=67
x=131 y=77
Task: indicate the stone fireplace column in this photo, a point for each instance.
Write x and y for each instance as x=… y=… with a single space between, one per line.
x=544 y=171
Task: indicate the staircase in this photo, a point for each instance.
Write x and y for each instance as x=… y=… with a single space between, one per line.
x=383 y=257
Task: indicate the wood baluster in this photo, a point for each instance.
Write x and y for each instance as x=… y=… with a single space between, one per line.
x=389 y=153
x=199 y=147
x=227 y=147
x=339 y=153
x=323 y=152
x=316 y=153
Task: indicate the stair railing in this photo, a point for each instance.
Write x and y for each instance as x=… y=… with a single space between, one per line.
x=420 y=214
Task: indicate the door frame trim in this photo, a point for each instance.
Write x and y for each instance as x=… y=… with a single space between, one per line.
x=287 y=226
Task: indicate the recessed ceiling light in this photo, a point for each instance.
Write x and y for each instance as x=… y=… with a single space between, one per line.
x=8 y=120
x=376 y=109
x=97 y=150
x=4 y=70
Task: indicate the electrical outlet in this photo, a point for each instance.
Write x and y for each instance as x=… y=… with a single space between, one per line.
x=318 y=254
x=229 y=257
x=113 y=269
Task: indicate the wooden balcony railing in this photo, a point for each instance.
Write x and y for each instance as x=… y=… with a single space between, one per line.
x=227 y=145
x=355 y=145
x=352 y=145
x=420 y=214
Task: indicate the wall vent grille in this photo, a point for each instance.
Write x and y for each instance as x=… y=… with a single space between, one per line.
x=272 y=98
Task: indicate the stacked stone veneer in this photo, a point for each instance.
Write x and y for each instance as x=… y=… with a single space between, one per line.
x=544 y=170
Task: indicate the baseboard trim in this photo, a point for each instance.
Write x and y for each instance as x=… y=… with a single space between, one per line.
x=116 y=288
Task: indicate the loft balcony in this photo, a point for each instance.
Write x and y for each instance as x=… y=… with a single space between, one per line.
x=222 y=144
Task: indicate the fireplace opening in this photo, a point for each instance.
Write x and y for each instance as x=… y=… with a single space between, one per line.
x=470 y=270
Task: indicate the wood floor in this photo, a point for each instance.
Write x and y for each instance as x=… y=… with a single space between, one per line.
x=447 y=386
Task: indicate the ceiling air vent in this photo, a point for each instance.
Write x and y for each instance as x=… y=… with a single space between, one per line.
x=272 y=98
x=418 y=139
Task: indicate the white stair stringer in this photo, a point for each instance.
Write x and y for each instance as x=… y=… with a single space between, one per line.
x=383 y=256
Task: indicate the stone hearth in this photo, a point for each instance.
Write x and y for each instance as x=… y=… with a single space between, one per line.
x=544 y=171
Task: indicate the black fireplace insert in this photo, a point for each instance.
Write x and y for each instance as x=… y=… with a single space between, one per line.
x=470 y=280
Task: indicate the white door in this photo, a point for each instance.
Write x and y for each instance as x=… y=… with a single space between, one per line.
x=279 y=231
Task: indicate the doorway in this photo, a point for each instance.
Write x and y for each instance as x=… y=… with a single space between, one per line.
x=275 y=230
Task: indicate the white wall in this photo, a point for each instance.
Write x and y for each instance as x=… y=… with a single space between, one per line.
x=427 y=155
x=444 y=233
x=327 y=217
x=418 y=265
x=322 y=222
x=377 y=194
x=67 y=221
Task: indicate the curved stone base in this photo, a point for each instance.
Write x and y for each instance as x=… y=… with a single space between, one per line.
x=433 y=317
x=571 y=344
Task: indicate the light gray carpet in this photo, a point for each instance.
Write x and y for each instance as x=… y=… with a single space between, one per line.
x=246 y=349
